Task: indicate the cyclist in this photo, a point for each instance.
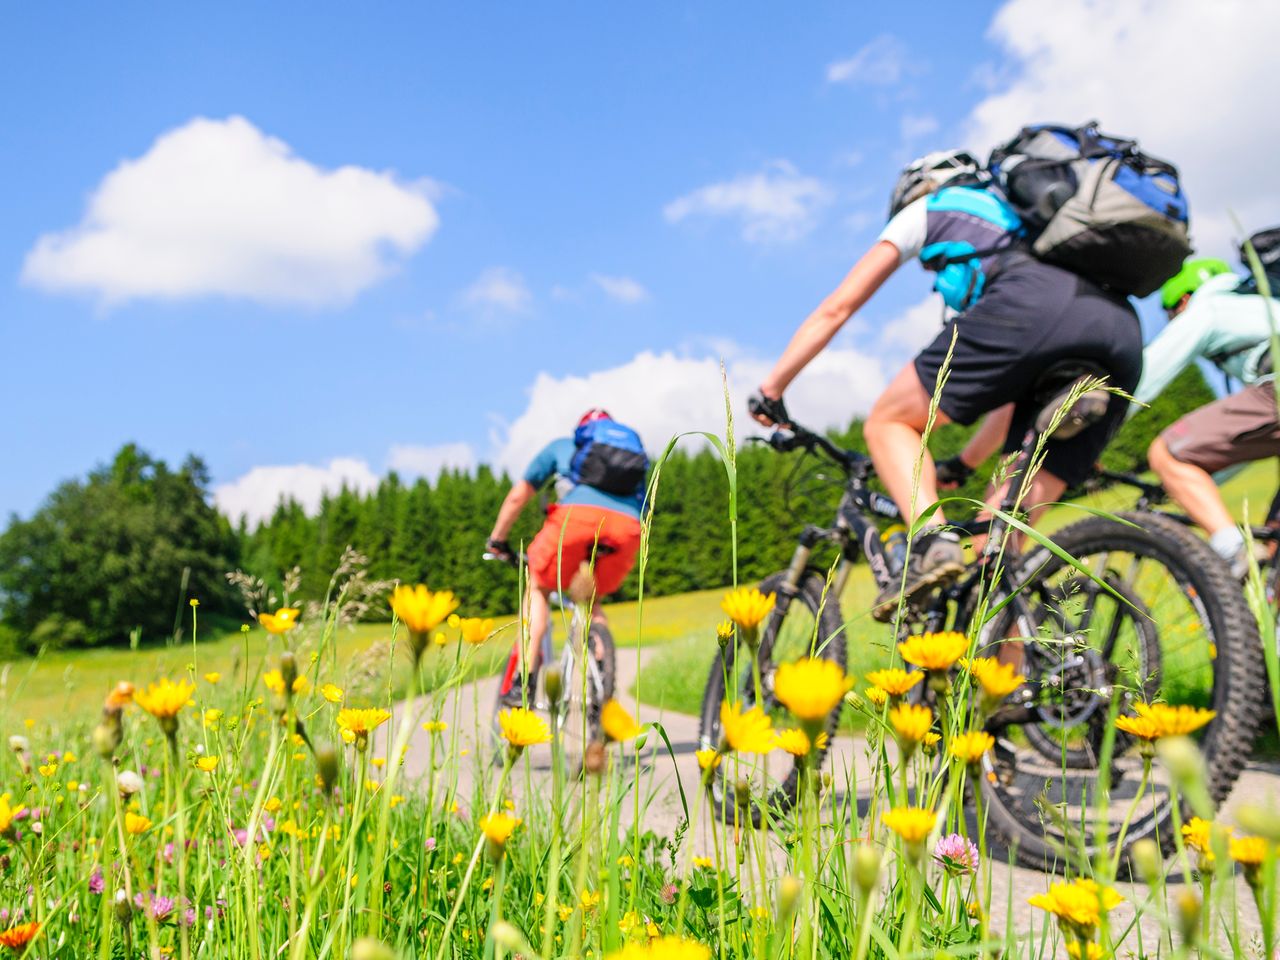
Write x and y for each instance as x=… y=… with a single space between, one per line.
x=1213 y=315
x=1016 y=318
x=600 y=485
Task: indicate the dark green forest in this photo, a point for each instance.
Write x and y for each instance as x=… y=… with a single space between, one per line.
x=124 y=548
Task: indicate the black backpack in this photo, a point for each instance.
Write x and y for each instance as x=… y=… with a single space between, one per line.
x=1096 y=205
x=1266 y=244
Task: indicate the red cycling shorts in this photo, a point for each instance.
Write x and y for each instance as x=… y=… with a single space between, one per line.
x=569 y=538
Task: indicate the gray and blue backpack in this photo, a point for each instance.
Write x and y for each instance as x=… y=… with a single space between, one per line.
x=609 y=457
x=1096 y=205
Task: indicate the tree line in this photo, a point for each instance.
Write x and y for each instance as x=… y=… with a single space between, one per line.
x=123 y=549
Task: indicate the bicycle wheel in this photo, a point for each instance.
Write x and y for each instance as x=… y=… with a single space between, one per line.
x=587 y=683
x=1179 y=631
x=806 y=624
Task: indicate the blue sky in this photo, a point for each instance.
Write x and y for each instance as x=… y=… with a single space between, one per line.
x=547 y=193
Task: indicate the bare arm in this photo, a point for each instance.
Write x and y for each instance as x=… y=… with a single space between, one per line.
x=866 y=277
x=517 y=497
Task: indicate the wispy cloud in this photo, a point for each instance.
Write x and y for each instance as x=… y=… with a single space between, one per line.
x=777 y=204
x=499 y=290
x=622 y=289
x=881 y=63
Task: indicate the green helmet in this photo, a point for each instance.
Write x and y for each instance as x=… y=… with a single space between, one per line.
x=1188 y=279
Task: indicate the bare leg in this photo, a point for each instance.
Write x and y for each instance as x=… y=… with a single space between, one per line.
x=538 y=614
x=1191 y=486
x=893 y=431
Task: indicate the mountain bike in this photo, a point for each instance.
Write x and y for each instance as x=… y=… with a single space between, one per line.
x=1152 y=497
x=1142 y=611
x=587 y=668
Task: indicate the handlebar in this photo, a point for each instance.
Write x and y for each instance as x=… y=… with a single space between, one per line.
x=795 y=437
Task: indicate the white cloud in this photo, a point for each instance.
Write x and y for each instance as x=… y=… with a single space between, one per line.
x=882 y=63
x=622 y=289
x=216 y=207
x=661 y=394
x=256 y=494
x=429 y=461
x=913 y=126
x=914 y=327
x=778 y=204
x=1186 y=78
x=498 y=289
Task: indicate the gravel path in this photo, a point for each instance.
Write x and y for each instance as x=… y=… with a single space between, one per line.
x=469 y=710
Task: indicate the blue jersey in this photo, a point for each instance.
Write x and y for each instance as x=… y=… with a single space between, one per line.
x=953 y=223
x=555 y=460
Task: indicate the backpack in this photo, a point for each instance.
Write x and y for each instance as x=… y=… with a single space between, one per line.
x=1266 y=244
x=1096 y=205
x=609 y=457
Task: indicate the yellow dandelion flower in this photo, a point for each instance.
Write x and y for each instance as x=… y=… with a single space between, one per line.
x=1092 y=950
x=17 y=937
x=750 y=732
x=272 y=805
x=811 y=688
x=896 y=682
x=212 y=676
x=435 y=726
x=1079 y=902
x=332 y=692
x=475 y=630
x=164 y=699
x=1248 y=851
x=662 y=948
x=590 y=899
x=1155 y=721
x=704 y=863
x=912 y=824
x=280 y=622
x=212 y=716
x=797 y=743
x=931 y=739
x=207 y=764
x=747 y=606
x=498 y=827
x=997 y=679
x=724 y=631
x=618 y=725
x=355 y=725
x=273 y=680
x=7 y=813
x=47 y=769
x=136 y=823
x=564 y=912
x=911 y=721
x=708 y=759
x=934 y=651
x=523 y=728
x=422 y=610
x=972 y=746
x=1198 y=835
x=878 y=696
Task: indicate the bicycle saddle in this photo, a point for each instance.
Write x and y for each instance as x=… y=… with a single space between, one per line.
x=1052 y=391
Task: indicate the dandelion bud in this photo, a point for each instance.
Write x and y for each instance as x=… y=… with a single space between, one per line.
x=553 y=683
x=367 y=948
x=124 y=913
x=593 y=760
x=742 y=791
x=788 y=894
x=1260 y=821
x=128 y=783
x=1185 y=763
x=1146 y=858
x=508 y=937
x=288 y=670
x=327 y=766
x=107 y=737
x=866 y=867
x=1188 y=906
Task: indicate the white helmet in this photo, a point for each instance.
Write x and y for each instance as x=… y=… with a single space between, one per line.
x=929 y=173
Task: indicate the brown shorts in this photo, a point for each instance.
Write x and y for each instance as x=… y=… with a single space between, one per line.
x=1235 y=429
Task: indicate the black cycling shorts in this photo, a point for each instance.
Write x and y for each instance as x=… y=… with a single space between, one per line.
x=1032 y=317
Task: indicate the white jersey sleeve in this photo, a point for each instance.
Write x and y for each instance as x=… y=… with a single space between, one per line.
x=907 y=229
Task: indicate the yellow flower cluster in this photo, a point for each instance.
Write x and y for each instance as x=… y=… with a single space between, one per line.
x=811 y=688
x=1154 y=721
x=934 y=651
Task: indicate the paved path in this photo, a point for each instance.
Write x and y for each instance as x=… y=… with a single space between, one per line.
x=469 y=710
